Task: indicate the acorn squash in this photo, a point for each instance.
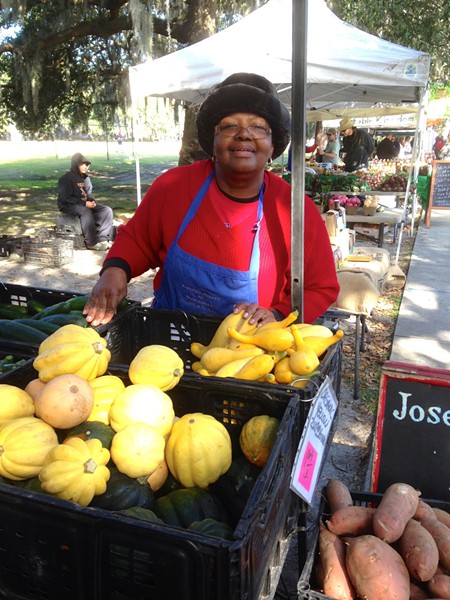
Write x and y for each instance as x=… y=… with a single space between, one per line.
x=92 y=430
x=157 y=365
x=124 y=492
x=198 y=450
x=72 y=352
x=183 y=507
x=142 y=403
x=76 y=470
x=105 y=389
x=257 y=438
x=138 y=449
x=234 y=487
x=142 y=514
x=24 y=445
x=212 y=527
x=15 y=403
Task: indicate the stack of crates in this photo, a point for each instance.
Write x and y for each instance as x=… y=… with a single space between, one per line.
x=68 y=227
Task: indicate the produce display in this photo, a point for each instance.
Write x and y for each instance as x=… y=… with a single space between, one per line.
x=9 y=362
x=398 y=549
x=83 y=435
x=278 y=352
x=34 y=322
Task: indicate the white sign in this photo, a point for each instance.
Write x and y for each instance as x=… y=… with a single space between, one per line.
x=314 y=441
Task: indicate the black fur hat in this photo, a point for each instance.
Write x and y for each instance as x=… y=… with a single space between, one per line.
x=244 y=92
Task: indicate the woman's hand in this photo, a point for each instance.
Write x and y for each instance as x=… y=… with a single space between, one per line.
x=256 y=315
x=106 y=294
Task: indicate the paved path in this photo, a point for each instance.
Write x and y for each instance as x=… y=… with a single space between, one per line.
x=422 y=333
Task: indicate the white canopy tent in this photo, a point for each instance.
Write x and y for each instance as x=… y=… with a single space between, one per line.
x=353 y=68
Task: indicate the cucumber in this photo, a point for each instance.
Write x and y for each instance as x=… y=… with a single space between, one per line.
x=35 y=307
x=77 y=303
x=42 y=325
x=66 y=320
x=7 y=312
x=21 y=332
x=17 y=307
x=55 y=309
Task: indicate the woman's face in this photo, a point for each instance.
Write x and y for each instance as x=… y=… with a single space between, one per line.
x=242 y=142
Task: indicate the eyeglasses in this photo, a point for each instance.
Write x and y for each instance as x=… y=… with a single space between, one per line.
x=256 y=132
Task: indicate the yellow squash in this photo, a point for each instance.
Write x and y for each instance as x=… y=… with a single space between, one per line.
x=215 y=358
x=15 y=403
x=319 y=344
x=198 y=450
x=145 y=403
x=257 y=367
x=138 y=449
x=272 y=340
x=158 y=365
x=72 y=350
x=257 y=438
x=76 y=470
x=24 y=444
x=105 y=388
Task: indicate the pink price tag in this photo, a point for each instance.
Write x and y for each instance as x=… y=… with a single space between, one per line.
x=306 y=472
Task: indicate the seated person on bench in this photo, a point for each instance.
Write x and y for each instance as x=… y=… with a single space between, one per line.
x=74 y=198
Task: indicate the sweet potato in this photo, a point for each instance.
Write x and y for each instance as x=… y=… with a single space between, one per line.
x=352 y=520
x=376 y=570
x=439 y=586
x=417 y=593
x=441 y=535
x=442 y=515
x=338 y=495
x=397 y=506
x=335 y=582
x=423 y=511
x=419 y=551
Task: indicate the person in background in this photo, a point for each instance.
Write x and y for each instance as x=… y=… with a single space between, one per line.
x=219 y=230
x=407 y=146
x=308 y=150
x=75 y=198
x=396 y=146
x=357 y=146
x=385 y=149
x=331 y=152
x=444 y=154
x=437 y=146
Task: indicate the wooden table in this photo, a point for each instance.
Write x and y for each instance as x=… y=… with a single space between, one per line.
x=388 y=216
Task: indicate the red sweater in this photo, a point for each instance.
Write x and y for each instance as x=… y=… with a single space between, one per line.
x=221 y=233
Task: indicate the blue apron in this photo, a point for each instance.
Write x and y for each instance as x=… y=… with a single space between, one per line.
x=197 y=286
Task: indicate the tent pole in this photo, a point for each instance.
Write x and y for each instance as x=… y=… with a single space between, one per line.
x=415 y=166
x=134 y=111
x=298 y=132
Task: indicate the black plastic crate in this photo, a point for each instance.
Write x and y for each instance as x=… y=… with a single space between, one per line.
x=19 y=354
x=178 y=330
x=20 y=295
x=10 y=244
x=133 y=560
x=307 y=584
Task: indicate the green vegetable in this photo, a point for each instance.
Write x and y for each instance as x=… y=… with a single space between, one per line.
x=20 y=332
x=124 y=492
x=66 y=319
x=183 y=507
x=212 y=527
x=90 y=430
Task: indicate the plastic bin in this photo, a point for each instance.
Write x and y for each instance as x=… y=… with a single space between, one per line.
x=307 y=584
x=20 y=295
x=178 y=329
x=53 y=252
x=53 y=549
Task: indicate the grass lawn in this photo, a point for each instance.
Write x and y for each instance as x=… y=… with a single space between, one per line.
x=29 y=185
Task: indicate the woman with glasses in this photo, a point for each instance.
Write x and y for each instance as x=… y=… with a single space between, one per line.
x=219 y=230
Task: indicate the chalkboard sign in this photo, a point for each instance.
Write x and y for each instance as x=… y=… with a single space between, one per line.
x=412 y=440
x=439 y=188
